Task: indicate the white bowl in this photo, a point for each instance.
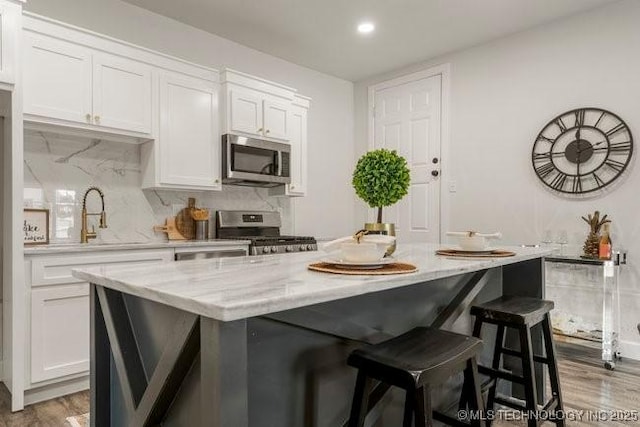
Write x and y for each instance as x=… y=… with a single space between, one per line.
x=473 y=243
x=362 y=252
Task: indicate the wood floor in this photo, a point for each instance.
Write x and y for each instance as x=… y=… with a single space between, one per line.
x=52 y=413
x=586 y=386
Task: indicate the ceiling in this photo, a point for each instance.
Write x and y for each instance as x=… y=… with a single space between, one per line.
x=321 y=34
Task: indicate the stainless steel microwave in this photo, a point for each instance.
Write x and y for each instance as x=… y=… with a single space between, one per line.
x=255 y=162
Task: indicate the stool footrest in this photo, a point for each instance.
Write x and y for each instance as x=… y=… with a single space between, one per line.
x=511 y=352
x=511 y=403
x=504 y=375
x=514 y=353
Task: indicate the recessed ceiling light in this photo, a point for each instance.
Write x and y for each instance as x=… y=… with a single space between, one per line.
x=366 y=27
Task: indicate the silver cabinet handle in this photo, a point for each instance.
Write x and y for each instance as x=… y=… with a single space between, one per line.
x=260 y=130
x=97 y=119
x=267 y=131
x=88 y=117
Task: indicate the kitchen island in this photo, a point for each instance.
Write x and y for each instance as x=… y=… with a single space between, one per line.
x=262 y=341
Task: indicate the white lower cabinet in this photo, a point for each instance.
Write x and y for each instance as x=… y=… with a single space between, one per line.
x=58 y=324
x=59 y=331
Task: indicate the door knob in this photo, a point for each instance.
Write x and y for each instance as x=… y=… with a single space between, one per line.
x=435 y=160
x=435 y=173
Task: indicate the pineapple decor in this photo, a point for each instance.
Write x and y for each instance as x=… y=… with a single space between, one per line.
x=590 y=246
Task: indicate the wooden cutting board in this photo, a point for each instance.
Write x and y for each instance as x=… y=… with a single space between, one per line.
x=171 y=229
x=184 y=221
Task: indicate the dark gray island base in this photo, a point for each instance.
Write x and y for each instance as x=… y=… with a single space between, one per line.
x=152 y=362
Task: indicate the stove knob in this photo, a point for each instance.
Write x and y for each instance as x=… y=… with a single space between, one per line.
x=303 y=248
x=309 y=247
x=289 y=248
x=274 y=249
x=266 y=249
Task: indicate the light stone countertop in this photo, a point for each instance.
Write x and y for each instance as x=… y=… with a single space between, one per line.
x=229 y=289
x=62 y=248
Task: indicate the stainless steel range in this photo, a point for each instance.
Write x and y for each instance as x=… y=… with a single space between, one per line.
x=262 y=228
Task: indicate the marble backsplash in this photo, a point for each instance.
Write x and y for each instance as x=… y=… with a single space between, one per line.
x=58 y=169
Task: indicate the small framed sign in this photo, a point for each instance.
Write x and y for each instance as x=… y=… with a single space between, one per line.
x=36 y=226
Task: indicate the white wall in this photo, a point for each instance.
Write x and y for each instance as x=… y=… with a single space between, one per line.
x=330 y=118
x=503 y=93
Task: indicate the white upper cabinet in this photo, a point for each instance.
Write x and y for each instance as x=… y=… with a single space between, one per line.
x=245 y=110
x=256 y=107
x=189 y=138
x=121 y=93
x=276 y=120
x=10 y=28
x=57 y=79
x=299 y=144
x=298 y=186
x=69 y=82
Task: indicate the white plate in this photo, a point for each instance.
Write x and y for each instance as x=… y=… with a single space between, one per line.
x=361 y=265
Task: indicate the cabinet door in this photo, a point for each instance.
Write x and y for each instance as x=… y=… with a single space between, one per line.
x=189 y=136
x=57 y=79
x=298 y=186
x=10 y=29
x=59 y=331
x=121 y=94
x=276 y=120
x=245 y=112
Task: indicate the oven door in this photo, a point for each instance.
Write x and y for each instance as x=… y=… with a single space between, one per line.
x=254 y=160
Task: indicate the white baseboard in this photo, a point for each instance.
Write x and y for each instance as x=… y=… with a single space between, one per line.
x=630 y=350
x=55 y=390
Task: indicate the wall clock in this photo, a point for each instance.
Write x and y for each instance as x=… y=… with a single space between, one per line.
x=582 y=151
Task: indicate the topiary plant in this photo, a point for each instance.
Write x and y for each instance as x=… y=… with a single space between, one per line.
x=381 y=178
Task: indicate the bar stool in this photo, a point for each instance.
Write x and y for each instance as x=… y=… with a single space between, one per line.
x=416 y=361
x=521 y=314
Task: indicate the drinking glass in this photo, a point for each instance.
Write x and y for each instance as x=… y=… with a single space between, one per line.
x=547 y=237
x=562 y=239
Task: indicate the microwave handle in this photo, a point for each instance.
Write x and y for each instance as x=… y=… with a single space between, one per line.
x=278 y=165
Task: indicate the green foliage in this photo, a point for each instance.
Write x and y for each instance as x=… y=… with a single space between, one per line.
x=381 y=178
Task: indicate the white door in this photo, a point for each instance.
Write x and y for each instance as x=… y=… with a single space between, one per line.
x=57 y=79
x=245 y=112
x=121 y=94
x=189 y=135
x=276 y=120
x=407 y=118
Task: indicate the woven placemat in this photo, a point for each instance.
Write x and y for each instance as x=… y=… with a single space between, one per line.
x=395 y=268
x=463 y=254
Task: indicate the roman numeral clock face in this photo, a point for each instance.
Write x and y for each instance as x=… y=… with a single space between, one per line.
x=582 y=151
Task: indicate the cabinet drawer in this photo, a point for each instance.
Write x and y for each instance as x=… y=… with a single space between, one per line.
x=57 y=270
